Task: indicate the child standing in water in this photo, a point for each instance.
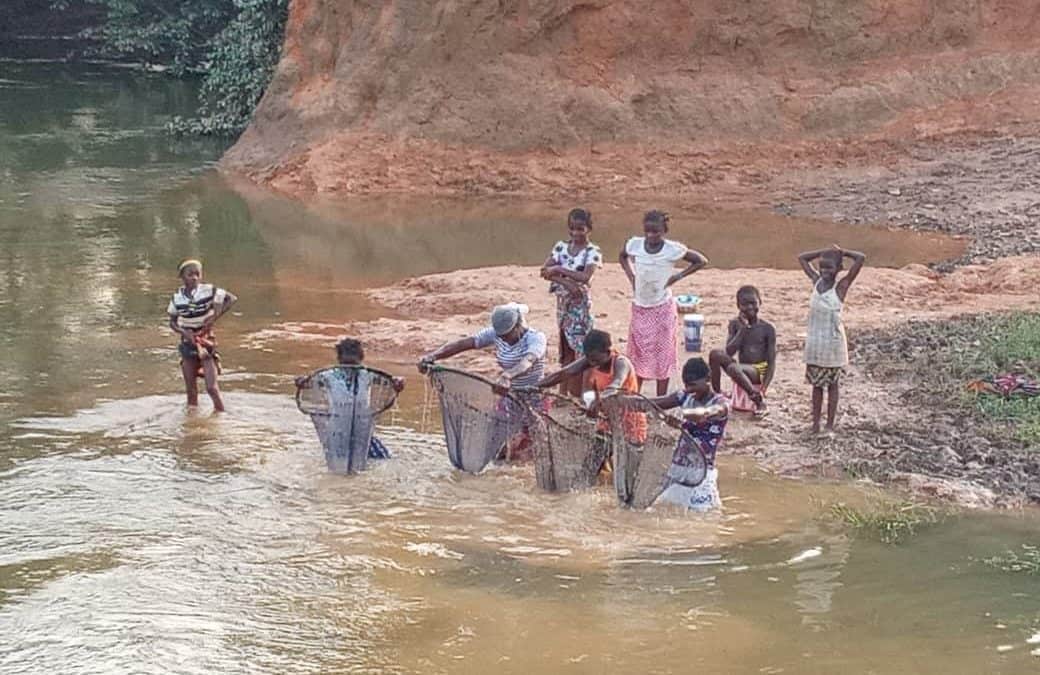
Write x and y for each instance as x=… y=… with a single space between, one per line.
x=705 y=414
x=194 y=309
x=569 y=269
x=649 y=262
x=826 y=348
x=349 y=352
x=605 y=373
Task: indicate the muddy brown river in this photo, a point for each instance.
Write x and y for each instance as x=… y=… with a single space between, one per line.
x=138 y=537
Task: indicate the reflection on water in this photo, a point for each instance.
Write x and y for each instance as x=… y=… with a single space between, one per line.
x=367 y=241
x=139 y=537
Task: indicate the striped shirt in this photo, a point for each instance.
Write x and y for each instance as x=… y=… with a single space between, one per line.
x=531 y=343
x=192 y=309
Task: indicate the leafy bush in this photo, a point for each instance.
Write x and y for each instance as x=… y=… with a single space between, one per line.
x=233 y=44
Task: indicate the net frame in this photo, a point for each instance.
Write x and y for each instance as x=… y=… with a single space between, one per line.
x=668 y=455
x=570 y=447
x=505 y=423
x=345 y=428
x=303 y=404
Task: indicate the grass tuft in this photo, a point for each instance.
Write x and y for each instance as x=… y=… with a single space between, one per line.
x=887 y=521
x=1007 y=344
x=1026 y=562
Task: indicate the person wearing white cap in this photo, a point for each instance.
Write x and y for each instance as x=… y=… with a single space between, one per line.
x=519 y=349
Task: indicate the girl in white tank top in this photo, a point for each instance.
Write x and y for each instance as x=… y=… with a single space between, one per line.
x=826 y=347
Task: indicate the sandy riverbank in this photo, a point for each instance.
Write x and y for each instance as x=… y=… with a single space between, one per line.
x=441 y=307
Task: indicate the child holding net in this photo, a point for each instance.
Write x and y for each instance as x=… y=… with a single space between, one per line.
x=343 y=390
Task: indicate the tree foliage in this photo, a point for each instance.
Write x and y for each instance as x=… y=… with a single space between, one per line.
x=233 y=44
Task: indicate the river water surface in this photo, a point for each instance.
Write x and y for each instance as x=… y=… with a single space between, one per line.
x=136 y=536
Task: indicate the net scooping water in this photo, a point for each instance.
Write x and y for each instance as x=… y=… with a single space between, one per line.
x=478 y=422
x=570 y=445
x=343 y=402
x=649 y=451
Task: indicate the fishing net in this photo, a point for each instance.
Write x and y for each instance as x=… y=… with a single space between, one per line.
x=479 y=424
x=343 y=402
x=650 y=452
x=570 y=445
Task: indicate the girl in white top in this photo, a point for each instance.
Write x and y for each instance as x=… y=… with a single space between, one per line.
x=649 y=262
x=826 y=348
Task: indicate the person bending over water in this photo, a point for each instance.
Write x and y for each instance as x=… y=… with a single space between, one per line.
x=705 y=413
x=754 y=342
x=520 y=354
x=519 y=349
x=826 y=348
x=349 y=352
x=605 y=372
x=649 y=262
x=193 y=310
x=569 y=269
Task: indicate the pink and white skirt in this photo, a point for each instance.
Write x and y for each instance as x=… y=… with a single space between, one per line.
x=652 y=340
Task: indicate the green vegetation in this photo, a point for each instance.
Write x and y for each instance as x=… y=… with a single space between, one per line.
x=233 y=44
x=1009 y=343
x=1028 y=561
x=890 y=522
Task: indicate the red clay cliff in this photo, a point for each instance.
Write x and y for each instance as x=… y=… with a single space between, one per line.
x=600 y=97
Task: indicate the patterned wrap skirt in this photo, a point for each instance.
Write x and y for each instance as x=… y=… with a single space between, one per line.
x=574 y=317
x=652 y=340
x=823 y=376
x=205 y=343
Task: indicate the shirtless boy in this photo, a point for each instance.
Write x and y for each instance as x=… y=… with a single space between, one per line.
x=753 y=341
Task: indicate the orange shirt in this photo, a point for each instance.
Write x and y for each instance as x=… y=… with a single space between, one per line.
x=635 y=425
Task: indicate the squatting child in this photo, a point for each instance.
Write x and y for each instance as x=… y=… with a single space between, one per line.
x=753 y=341
x=349 y=352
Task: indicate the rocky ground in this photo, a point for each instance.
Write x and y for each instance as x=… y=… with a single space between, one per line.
x=981 y=188
x=696 y=99
x=938 y=431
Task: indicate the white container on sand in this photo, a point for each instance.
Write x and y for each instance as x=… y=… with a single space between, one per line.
x=693 y=331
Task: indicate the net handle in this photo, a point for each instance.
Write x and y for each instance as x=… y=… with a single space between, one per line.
x=645 y=404
x=434 y=368
x=381 y=373
x=651 y=408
